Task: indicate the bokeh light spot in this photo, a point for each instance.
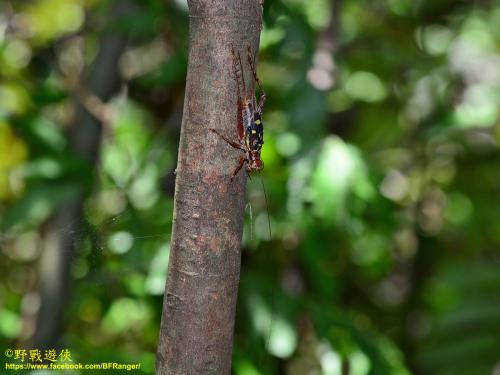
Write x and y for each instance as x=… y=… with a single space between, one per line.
x=10 y=324
x=157 y=276
x=459 y=208
x=282 y=338
x=288 y=144
x=120 y=242
x=365 y=86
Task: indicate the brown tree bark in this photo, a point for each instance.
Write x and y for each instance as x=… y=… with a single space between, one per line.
x=204 y=268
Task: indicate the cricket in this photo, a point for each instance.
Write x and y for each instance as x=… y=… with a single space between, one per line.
x=250 y=127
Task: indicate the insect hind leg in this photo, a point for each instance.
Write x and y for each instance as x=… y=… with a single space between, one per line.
x=239 y=73
x=239 y=77
x=262 y=98
x=228 y=141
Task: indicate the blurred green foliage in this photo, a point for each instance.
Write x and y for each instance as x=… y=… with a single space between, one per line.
x=382 y=179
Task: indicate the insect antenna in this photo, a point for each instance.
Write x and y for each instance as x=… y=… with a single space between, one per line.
x=271 y=318
x=273 y=293
x=267 y=207
x=249 y=206
x=268 y=335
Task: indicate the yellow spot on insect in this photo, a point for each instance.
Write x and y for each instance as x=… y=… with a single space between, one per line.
x=254 y=132
x=257 y=122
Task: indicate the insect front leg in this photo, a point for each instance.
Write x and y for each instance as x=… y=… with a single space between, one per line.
x=237 y=146
x=242 y=161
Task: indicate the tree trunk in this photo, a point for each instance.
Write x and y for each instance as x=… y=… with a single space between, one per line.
x=204 y=268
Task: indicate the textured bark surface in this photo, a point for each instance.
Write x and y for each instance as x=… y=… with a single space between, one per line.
x=203 y=274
